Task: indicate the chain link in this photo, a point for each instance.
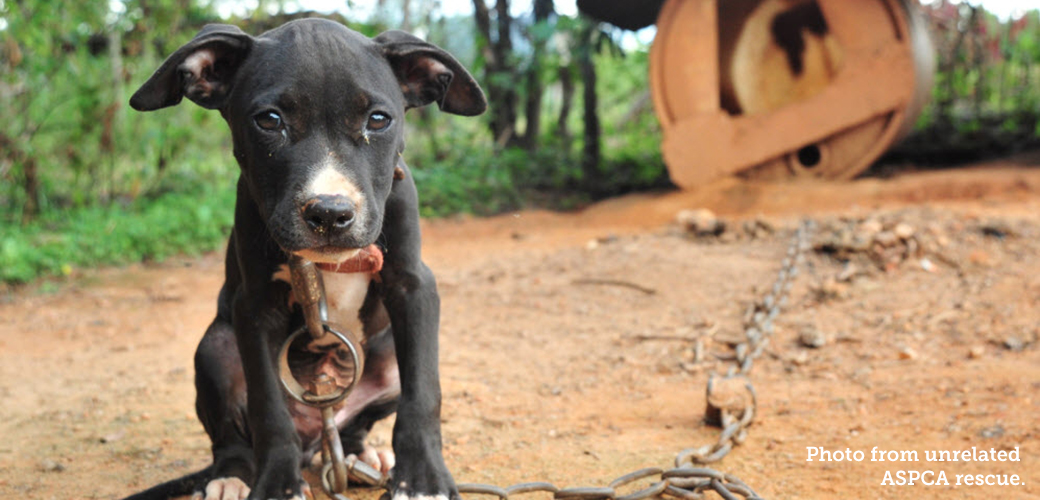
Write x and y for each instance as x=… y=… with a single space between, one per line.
x=323 y=393
x=732 y=404
x=684 y=483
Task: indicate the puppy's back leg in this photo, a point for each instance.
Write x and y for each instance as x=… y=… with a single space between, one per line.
x=221 y=406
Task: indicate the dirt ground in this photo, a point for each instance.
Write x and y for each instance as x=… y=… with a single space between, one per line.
x=921 y=345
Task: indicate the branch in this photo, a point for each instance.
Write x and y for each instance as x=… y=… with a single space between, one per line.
x=625 y=284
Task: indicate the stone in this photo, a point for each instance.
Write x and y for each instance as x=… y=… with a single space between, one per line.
x=701 y=222
x=904 y=231
x=812 y=338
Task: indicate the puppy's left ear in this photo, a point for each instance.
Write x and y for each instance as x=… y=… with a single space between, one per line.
x=428 y=74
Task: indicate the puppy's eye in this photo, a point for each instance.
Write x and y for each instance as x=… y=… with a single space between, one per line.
x=378 y=121
x=268 y=120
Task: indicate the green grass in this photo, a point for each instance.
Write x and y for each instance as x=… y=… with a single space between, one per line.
x=148 y=229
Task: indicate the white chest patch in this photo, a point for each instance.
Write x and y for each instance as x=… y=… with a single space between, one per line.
x=344 y=294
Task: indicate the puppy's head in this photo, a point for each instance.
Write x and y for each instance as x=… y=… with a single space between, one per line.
x=316 y=113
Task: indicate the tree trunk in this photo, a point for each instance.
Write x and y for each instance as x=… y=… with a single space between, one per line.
x=425 y=119
x=498 y=74
x=533 y=107
x=29 y=176
x=944 y=105
x=977 y=61
x=406 y=18
x=567 y=88
x=31 y=185
x=110 y=123
x=591 y=150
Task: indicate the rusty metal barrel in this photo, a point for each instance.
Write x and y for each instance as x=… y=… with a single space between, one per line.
x=786 y=87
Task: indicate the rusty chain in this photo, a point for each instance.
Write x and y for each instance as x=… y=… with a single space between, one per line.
x=732 y=402
x=323 y=392
x=684 y=483
x=727 y=407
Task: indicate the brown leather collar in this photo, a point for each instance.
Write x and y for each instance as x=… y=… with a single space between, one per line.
x=368 y=260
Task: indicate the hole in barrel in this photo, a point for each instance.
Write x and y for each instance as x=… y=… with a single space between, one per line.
x=810 y=156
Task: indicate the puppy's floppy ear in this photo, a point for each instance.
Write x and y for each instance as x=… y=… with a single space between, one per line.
x=203 y=70
x=427 y=74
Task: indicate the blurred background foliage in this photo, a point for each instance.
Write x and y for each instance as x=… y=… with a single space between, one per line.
x=986 y=98
x=85 y=181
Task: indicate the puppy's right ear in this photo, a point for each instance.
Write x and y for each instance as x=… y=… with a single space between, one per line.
x=203 y=70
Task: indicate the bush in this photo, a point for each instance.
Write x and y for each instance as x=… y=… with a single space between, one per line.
x=143 y=230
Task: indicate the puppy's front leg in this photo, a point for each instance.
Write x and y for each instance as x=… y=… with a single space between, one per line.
x=414 y=312
x=276 y=444
x=261 y=321
x=414 y=307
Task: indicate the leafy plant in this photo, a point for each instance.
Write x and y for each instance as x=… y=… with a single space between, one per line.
x=146 y=229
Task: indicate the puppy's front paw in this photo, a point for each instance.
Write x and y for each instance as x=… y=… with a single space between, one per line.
x=401 y=495
x=224 y=488
x=422 y=480
x=280 y=483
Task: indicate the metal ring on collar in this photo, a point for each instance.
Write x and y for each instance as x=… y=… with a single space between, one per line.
x=306 y=396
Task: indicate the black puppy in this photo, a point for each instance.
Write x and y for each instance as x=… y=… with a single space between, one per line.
x=316 y=113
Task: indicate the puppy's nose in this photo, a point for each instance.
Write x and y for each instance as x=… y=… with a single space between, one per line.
x=326 y=214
